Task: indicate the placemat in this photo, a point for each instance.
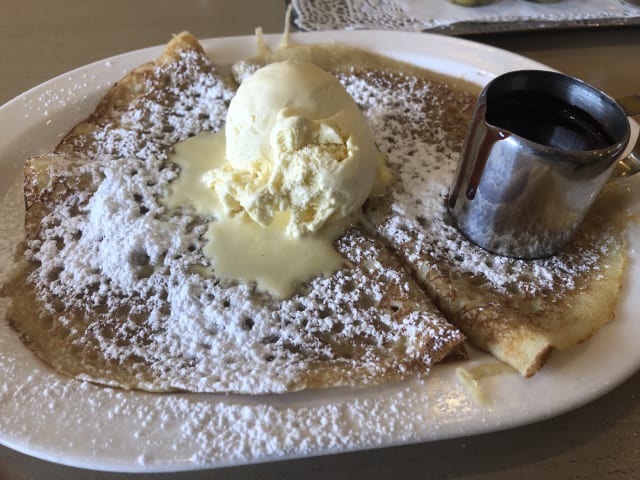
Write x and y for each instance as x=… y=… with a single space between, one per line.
x=430 y=15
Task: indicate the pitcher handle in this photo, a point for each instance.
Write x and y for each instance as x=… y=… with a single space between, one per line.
x=629 y=163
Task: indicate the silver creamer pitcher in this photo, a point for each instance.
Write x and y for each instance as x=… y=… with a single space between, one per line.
x=540 y=147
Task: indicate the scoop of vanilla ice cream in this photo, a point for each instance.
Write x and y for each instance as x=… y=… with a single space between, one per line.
x=296 y=142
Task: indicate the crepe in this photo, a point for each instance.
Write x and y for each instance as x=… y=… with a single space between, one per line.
x=519 y=311
x=112 y=286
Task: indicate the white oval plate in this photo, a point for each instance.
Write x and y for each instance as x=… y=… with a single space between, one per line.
x=79 y=424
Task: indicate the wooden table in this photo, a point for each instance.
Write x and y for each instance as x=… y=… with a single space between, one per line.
x=601 y=440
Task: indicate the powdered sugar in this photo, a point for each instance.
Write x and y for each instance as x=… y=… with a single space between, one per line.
x=117 y=239
x=198 y=430
x=149 y=432
x=130 y=289
x=424 y=159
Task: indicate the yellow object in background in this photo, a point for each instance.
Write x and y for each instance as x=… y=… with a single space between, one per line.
x=471 y=3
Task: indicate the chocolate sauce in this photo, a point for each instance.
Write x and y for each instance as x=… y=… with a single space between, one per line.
x=477 y=125
x=477 y=155
x=547 y=120
x=482 y=155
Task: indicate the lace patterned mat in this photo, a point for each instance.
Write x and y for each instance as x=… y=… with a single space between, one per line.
x=441 y=15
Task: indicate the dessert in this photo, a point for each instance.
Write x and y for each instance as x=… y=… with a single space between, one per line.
x=296 y=142
x=110 y=287
x=518 y=310
x=286 y=176
x=115 y=286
